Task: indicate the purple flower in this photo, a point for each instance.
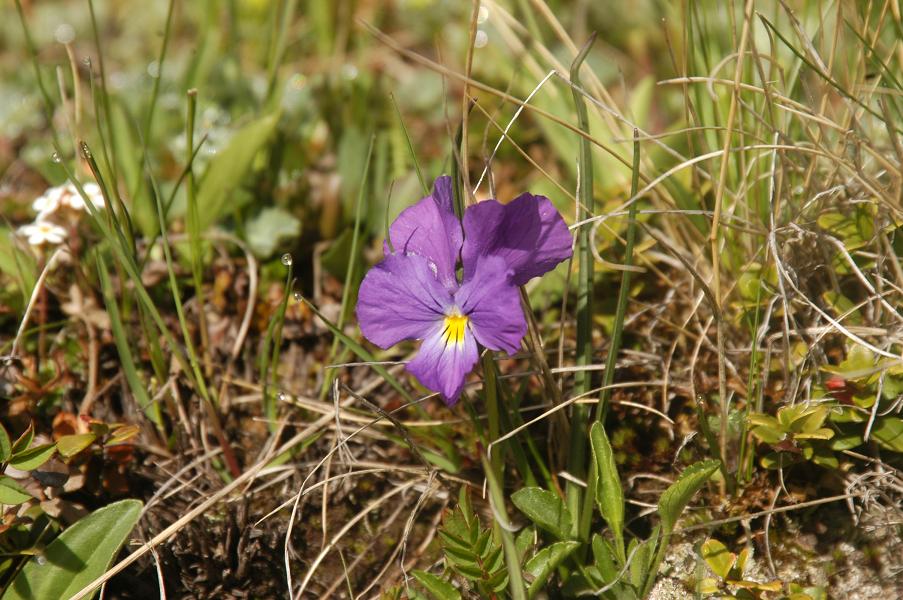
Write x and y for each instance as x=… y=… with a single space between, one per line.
x=415 y=294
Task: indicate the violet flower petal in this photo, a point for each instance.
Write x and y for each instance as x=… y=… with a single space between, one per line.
x=400 y=299
x=528 y=233
x=442 y=364
x=431 y=229
x=492 y=303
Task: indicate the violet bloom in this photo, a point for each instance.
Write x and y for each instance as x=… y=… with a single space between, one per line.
x=415 y=294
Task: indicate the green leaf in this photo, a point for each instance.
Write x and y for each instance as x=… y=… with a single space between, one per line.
x=6 y=447
x=337 y=257
x=707 y=586
x=609 y=494
x=845 y=441
x=604 y=559
x=767 y=435
x=78 y=556
x=524 y=541
x=742 y=559
x=229 y=167
x=545 y=509
x=270 y=229
x=441 y=461
x=888 y=432
x=24 y=440
x=31 y=459
x=544 y=563
x=718 y=557
x=642 y=558
x=763 y=420
x=810 y=420
x=18 y=264
x=11 y=493
x=438 y=587
x=678 y=495
x=842 y=307
x=819 y=434
x=70 y=445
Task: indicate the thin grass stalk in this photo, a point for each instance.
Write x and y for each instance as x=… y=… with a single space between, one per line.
x=201 y=383
x=103 y=136
x=515 y=420
x=359 y=351
x=576 y=462
x=155 y=89
x=407 y=137
x=152 y=106
x=149 y=408
x=36 y=65
x=352 y=262
x=177 y=299
x=466 y=102
x=530 y=19
x=128 y=263
x=624 y=292
x=747 y=456
x=277 y=50
x=715 y=238
x=457 y=173
x=608 y=375
x=269 y=355
x=194 y=232
x=105 y=97
x=517 y=449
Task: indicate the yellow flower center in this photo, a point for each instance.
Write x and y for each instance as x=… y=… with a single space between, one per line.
x=453 y=331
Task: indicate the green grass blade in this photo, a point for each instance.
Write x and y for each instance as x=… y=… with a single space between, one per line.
x=155 y=89
x=352 y=260
x=277 y=49
x=127 y=361
x=33 y=53
x=624 y=292
x=359 y=350
x=407 y=137
x=272 y=341
x=824 y=76
x=194 y=230
x=576 y=463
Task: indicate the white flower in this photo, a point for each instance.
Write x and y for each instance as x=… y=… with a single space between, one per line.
x=75 y=200
x=48 y=202
x=43 y=232
x=67 y=196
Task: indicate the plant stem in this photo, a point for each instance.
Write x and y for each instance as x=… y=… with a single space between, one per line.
x=500 y=514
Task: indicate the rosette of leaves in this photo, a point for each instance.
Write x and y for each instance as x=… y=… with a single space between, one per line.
x=863 y=387
x=24 y=528
x=851 y=402
x=27 y=530
x=796 y=432
x=471 y=552
x=23 y=456
x=729 y=582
